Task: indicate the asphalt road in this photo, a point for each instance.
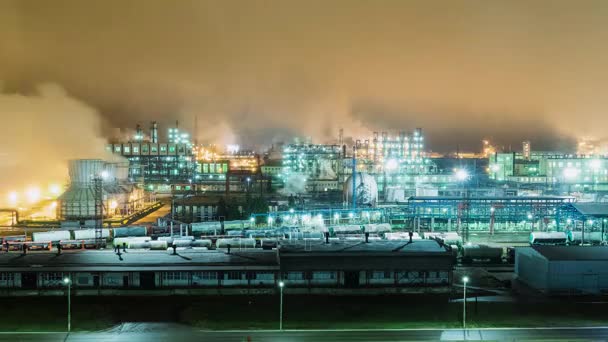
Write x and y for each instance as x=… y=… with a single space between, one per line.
x=550 y=334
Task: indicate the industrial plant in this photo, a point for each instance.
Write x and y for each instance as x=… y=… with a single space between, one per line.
x=325 y=218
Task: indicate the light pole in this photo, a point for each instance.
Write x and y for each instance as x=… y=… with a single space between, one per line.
x=281 y=286
x=68 y=282
x=465 y=280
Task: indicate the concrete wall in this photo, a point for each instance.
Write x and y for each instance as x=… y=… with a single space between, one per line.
x=578 y=276
x=531 y=268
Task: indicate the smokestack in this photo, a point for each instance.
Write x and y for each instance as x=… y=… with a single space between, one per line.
x=138 y=133
x=154 y=133
x=366 y=237
x=326 y=237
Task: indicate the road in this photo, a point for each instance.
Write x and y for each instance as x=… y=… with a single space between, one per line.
x=186 y=334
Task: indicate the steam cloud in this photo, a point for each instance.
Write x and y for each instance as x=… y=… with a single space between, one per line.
x=261 y=71
x=41 y=132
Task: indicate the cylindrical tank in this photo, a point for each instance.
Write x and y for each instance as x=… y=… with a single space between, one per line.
x=130 y=231
x=304 y=235
x=481 y=253
x=138 y=244
x=346 y=229
x=548 y=238
x=119 y=241
x=377 y=228
x=590 y=237
x=51 y=236
x=402 y=236
x=235 y=243
x=182 y=243
x=202 y=243
x=158 y=245
x=84 y=234
x=366 y=190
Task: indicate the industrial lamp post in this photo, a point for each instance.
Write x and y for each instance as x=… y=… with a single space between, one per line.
x=281 y=286
x=68 y=282
x=465 y=280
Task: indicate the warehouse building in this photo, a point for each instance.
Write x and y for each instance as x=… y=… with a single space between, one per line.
x=317 y=267
x=563 y=270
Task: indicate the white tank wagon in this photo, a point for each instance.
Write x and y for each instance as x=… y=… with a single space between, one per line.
x=84 y=234
x=402 y=236
x=269 y=243
x=185 y=237
x=377 y=228
x=264 y=233
x=304 y=235
x=126 y=240
x=206 y=228
x=346 y=229
x=594 y=238
x=235 y=243
x=130 y=232
x=487 y=253
x=51 y=236
x=158 y=245
x=548 y=238
x=138 y=244
x=182 y=243
x=202 y=243
x=447 y=238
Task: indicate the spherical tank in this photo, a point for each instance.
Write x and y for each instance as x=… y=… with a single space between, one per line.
x=366 y=190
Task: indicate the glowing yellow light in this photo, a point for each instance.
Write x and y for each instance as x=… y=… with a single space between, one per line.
x=55 y=189
x=113 y=204
x=54 y=205
x=13 y=198
x=33 y=194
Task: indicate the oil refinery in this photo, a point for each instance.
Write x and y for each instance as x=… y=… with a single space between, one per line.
x=309 y=201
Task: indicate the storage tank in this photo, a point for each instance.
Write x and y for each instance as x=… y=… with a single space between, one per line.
x=235 y=243
x=548 y=238
x=366 y=190
x=590 y=237
x=52 y=236
x=472 y=253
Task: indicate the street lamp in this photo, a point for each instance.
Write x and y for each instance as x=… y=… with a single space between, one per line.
x=465 y=280
x=68 y=282
x=281 y=286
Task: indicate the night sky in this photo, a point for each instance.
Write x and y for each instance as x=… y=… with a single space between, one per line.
x=260 y=71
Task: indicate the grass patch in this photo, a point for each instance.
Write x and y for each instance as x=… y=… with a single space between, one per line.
x=300 y=312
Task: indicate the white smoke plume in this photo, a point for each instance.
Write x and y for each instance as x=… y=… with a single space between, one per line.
x=41 y=132
x=295 y=183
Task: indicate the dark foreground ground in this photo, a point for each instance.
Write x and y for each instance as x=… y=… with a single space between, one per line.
x=300 y=312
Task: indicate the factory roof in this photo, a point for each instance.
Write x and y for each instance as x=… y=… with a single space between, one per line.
x=375 y=255
x=91 y=260
x=573 y=253
x=361 y=247
x=592 y=209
